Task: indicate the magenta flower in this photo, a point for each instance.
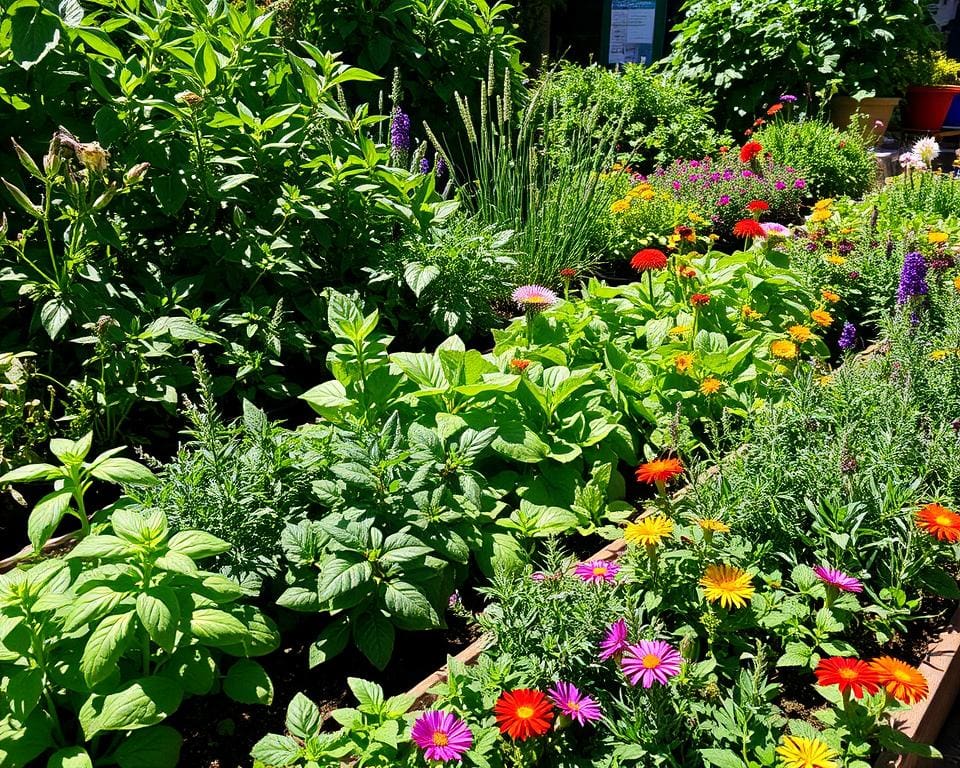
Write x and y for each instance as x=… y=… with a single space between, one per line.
x=772 y=229
x=780 y=185
x=799 y=184
x=534 y=297
x=441 y=735
x=724 y=200
x=538 y=576
x=650 y=661
x=838 y=579
x=597 y=571
x=575 y=705
x=615 y=640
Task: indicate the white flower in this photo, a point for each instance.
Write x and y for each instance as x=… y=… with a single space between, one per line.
x=926 y=149
x=910 y=160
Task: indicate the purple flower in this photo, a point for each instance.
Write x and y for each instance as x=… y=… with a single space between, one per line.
x=534 y=297
x=746 y=174
x=677 y=186
x=844 y=247
x=787 y=97
x=781 y=185
x=854 y=275
x=441 y=735
x=441 y=169
x=597 y=571
x=424 y=165
x=799 y=184
x=848 y=336
x=694 y=163
x=615 y=640
x=724 y=200
x=538 y=576
x=650 y=661
x=838 y=579
x=714 y=177
x=575 y=705
x=400 y=131
x=728 y=174
x=912 y=277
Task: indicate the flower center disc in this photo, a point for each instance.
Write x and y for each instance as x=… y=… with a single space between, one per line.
x=440 y=739
x=524 y=713
x=599 y=571
x=651 y=661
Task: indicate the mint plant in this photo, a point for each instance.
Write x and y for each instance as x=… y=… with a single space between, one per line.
x=99 y=647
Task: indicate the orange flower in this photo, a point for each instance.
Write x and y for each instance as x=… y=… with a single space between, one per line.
x=848 y=674
x=821 y=317
x=659 y=471
x=905 y=683
x=748 y=228
x=699 y=299
x=774 y=109
x=710 y=386
x=758 y=206
x=784 y=349
x=830 y=296
x=940 y=522
x=687 y=272
x=683 y=362
x=685 y=233
x=523 y=713
x=519 y=364
x=800 y=333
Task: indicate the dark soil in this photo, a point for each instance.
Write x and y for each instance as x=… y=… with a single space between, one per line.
x=219 y=733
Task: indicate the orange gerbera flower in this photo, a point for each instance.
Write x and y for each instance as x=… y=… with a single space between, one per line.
x=523 y=713
x=821 y=317
x=830 y=296
x=939 y=521
x=848 y=674
x=800 y=333
x=683 y=362
x=905 y=683
x=659 y=471
x=774 y=109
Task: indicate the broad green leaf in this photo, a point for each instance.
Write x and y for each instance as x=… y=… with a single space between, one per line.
x=90 y=606
x=138 y=704
x=248 y=683
x=274 y=749
x=369 y=695
x=341 y=576
x=30 y=472
x=156 y=747
x=70 y=757
x=159 y=612
x=33 y=34
x=331 y=642
x=100 y=42
x=24 y=689
x=197 y=544
x=303 y=717
x=100 y=545
x=374 y=636
x=406 y=602
x=105 y=646
x=124 y=472
x=46 y=516
x=215 y=627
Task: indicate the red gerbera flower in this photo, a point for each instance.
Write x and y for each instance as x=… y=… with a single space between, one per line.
x=758 y=206
x=758 y=122
x=699 y=299
x=848 y=674
x=748 y=228
x=774 y=109
x=523 y=713
x=568 y=272
x=648 y=258
x=750 y=150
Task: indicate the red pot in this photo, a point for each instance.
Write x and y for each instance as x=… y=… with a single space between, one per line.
x=927 y=106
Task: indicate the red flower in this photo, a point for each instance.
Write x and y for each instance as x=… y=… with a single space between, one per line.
x=774 y=109
x=750 y=150
x=519 y=364
x=758 y=122
x=699 y=299
x=648 y=258
x=684 y=232
x=758 y=206
x=724 y=150
x=523 y=713
x=659 y=471
x=748 y=228
x=848 y=674
x=748 y=132
x=567 y=272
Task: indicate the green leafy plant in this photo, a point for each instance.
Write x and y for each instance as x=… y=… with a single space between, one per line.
x=72 y=479
x=101 y=646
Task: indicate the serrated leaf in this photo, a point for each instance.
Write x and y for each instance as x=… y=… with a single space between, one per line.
x=303 y=717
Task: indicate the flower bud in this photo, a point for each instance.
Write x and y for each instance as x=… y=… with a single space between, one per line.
x=93 y=156
x=189 y=98
x=106 y=197
x=135 y=174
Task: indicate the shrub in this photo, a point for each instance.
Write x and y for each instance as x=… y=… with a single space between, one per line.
x=749 y=53
x=833 y=162
x=663 y=118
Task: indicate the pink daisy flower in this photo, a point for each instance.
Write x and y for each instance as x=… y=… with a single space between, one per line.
x=615 y=641
x=441 y=735
x=772 y=229
x=650 y=661
x=534 y=297
x=597 y=571
x=834 y=578
x=575 y=705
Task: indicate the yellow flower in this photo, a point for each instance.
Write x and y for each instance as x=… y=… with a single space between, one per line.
x=648 y=531
x=821 y=214
x=829 y=296
x=800 y=333
x=710 y=386
x=695 y=218
x=836 y=260
x=822 y=204
x=798 y=752
x=749 y=313
x=937 y=237
x=619 y=206
x=956 y=283
x=821 y=317
x=714 y=236
x=673 y=241
x=648 y=194
x=683 y=362
x=784 y=349
x=728 y=585
x=825 y=380
x=941 y=354
x=679 y=330
x=713 y=525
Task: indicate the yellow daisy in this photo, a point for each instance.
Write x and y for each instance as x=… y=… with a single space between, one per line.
x=821 y=204
x=821 y=317
x=937 y=237
x=784 y=349
x=727 y=585
x=683 y=362
x=956 y=283
x=679 y=330
x=821 y=214
x=798 y=752
x=648 y=531
x=619 y=206
x=749 y=313
x=800 y=333
x=836 y=260
x=713 y=525
x=829 y=296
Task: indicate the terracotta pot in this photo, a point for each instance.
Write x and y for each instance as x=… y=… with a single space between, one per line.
x=843 y=108
x=927 y=106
